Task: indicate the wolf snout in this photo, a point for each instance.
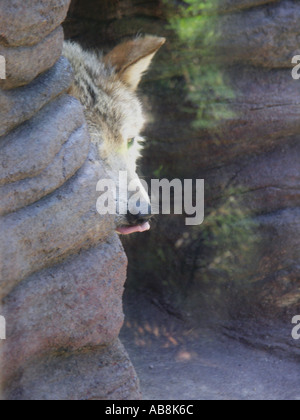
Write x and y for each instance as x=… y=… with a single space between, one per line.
x=140 y=218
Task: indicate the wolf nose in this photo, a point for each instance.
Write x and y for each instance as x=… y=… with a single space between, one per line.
x=140 y=218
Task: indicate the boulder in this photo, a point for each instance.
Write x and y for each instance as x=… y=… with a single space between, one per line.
x=73 y=305
x=57 y=226
x=19 y=105
x=63 y=268
x=101 y=373
x=28 y=150
x=24 y=64
x=266 y=183
x=113 y=9
x=70 y=158
x=260 y=36
x=25 y=24
x=230 y=5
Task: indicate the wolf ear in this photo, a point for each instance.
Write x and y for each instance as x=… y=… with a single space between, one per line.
x=132 y=58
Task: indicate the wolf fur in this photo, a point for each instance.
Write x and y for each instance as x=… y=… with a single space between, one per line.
x=106 y=86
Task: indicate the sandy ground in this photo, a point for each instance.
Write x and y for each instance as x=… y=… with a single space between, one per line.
x=176 y=362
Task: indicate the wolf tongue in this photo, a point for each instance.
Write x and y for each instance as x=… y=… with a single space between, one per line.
x=133 y=229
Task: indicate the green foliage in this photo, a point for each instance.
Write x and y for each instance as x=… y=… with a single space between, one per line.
x=158 y=172
x=197 y=28
x=229 y=237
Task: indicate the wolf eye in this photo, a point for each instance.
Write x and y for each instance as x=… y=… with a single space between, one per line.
x=131 y=142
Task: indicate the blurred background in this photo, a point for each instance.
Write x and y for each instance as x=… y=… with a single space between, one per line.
x=221 y=105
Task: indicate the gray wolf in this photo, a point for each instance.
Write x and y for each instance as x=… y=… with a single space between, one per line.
x=106 y=85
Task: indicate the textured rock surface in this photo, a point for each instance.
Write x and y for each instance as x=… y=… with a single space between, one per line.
x=72 y=305
x=63 y=267
x=19 y=68
x=24 y=24
x=61 y=224
x=270 y=182
x=42 y=154
x=260 y=120
x=32 y=147
x=112 y=9
x=250 y=158
x=266 y=35
x=19 y=105
x=101 y=373
x=228 y=5
x=69 y=159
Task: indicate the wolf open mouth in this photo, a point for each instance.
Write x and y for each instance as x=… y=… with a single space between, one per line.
x=128 y=230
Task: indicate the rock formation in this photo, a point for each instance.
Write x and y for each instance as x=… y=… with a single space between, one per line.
x=62 y=267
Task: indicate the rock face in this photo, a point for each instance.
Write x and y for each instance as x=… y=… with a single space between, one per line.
x=62 y=267
x=223 y=106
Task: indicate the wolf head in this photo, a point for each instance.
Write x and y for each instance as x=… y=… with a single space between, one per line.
x=106 y=87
